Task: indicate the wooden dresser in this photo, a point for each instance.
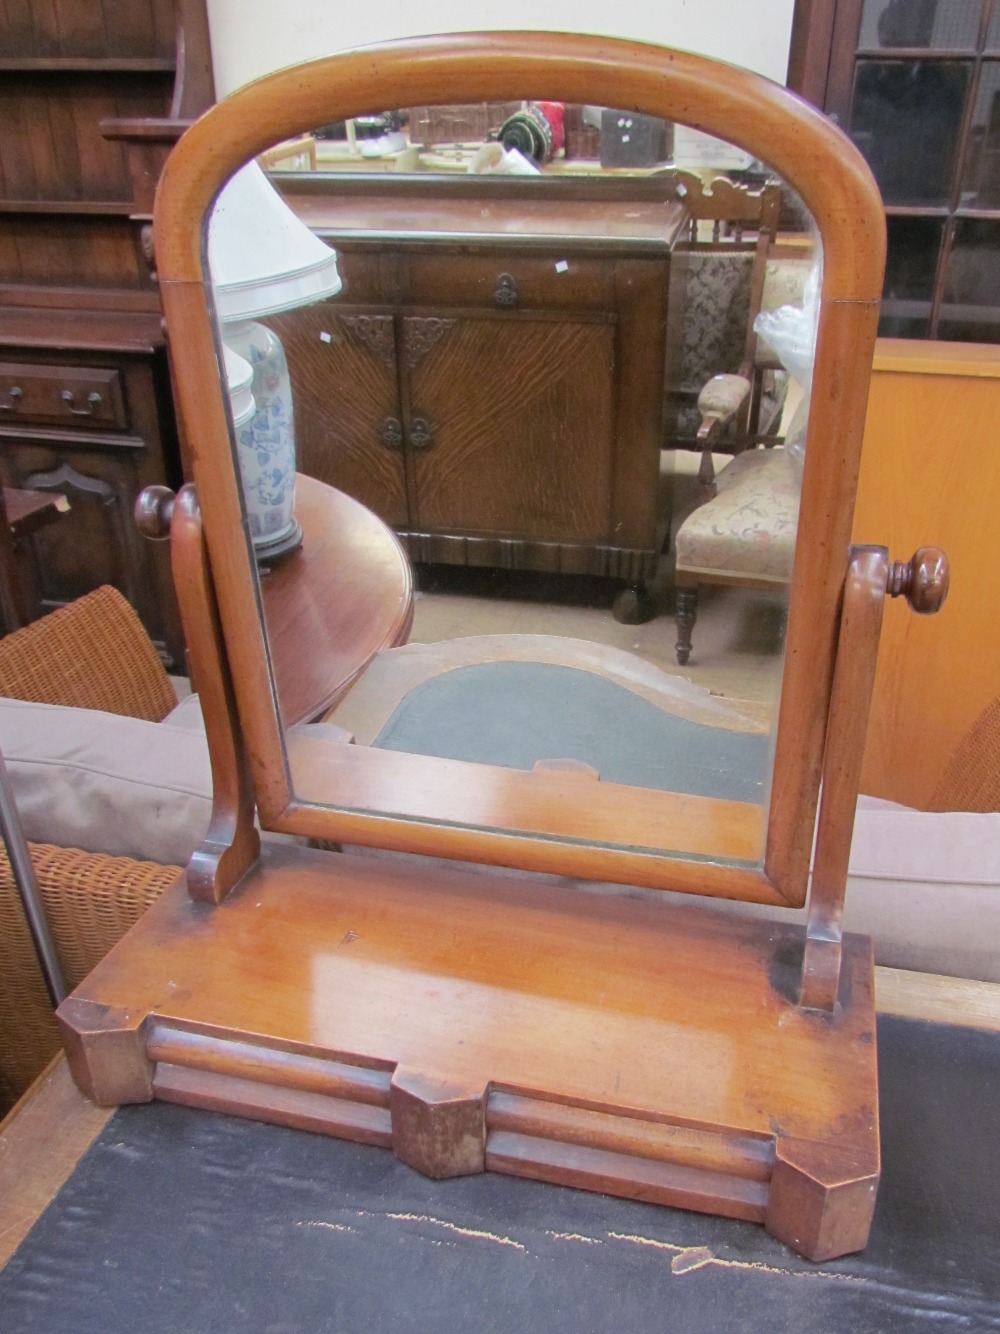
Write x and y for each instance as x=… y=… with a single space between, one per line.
x=490 y=381
x=92 y=97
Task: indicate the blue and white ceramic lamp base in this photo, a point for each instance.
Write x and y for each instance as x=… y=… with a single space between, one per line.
x=265 y=441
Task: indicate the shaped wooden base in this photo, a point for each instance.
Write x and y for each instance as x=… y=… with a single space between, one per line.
x=476 y=1021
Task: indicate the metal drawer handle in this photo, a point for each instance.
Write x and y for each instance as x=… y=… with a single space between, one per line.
x=15 y=393
x=506 y=293
x=94 y=399
x=391 y=433
x=421 y=434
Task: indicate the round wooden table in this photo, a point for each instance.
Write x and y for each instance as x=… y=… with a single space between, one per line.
x=346 y=594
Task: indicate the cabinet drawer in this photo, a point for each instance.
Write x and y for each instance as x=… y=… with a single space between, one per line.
x=504 y=281
x=81 y=396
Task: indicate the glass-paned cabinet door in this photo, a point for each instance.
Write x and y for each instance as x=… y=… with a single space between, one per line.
x=916 y=84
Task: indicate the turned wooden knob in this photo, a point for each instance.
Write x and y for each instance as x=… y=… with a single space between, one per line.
x=153 y=508
x=922 y=580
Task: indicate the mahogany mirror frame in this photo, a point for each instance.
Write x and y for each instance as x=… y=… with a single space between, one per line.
x=760 y=117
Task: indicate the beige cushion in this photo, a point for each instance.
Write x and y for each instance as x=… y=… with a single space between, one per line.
x=749 y=527
x=926 y=887
x=104 y=783
x=187 y=714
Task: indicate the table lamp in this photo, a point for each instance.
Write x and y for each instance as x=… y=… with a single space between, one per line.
x=263 y=259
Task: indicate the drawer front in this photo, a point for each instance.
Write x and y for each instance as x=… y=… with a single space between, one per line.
x=81 y=396
x=511 y=281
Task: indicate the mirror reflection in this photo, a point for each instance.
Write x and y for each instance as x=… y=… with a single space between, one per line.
x=564 y=354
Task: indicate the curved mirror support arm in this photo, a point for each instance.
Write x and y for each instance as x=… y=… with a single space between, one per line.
x=231 y=844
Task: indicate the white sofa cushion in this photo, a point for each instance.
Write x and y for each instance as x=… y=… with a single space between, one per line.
x=105 y=783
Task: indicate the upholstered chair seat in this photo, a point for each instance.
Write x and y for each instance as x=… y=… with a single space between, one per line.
x=745 y=534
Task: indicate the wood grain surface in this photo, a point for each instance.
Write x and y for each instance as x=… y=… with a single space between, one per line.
x=382 y=983
x=930 y=473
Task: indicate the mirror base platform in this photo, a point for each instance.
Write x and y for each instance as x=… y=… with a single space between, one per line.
x=601 y=1038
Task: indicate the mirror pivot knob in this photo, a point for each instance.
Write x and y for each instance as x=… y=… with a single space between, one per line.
x=922 y=580
x=153 y=508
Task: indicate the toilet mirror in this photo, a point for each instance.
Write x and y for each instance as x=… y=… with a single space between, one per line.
x=506 y=313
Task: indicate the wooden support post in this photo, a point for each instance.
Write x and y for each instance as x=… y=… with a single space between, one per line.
x=231 y=844
x=870 y=578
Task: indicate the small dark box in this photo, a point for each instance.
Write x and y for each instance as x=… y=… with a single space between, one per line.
x=631 y=140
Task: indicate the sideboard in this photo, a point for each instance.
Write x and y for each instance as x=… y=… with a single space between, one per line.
x=491 y=379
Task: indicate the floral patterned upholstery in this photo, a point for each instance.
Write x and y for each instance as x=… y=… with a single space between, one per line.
x=749 y=527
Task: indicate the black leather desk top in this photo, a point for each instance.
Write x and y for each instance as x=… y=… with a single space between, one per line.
x=180 y=1221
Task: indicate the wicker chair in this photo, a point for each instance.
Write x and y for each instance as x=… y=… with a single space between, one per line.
x=90 y=900
x=92 y=654
x=971 y=782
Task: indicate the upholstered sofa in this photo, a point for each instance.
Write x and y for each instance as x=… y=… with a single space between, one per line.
x=112 y=779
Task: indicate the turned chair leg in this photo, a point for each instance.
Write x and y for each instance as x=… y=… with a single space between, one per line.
x=706 y=476
x=685 y=616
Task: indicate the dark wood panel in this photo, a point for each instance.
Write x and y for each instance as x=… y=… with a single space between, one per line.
x=344 y=383
x=82 y=251
x=72 y=395
x=88 y=28
x=521 y=416
x=505 y=279
x=641 y=288
x=57 y=149
x=96 y=542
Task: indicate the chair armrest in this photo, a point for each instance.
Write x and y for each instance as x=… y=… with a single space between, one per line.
x=719 y=401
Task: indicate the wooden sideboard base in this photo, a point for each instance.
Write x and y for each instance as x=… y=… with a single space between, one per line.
x=475 y=1021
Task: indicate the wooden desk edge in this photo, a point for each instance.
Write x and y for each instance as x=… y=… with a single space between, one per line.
x=53 y=1125
x=47 y=1131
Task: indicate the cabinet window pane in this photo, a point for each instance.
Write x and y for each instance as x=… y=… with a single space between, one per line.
x=993 y=33
x=981 y=177
x=970 y=311
x=906 y=119
x=914 y=245
x=938 y=25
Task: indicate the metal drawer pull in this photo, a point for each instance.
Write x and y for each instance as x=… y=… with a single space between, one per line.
x=421 y=434
x=94 y=399
x=506 y=290
x=15 y=393
x=391 y=433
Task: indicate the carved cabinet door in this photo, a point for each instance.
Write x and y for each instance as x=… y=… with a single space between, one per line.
x=509 y=424
x=96 y=542
x=348 y=428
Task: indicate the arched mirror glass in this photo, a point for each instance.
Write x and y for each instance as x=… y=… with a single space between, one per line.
x=564 y=353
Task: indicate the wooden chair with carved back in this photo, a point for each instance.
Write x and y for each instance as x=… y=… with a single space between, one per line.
x=724 y=394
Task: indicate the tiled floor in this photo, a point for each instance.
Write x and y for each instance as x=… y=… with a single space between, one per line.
x=737 y=638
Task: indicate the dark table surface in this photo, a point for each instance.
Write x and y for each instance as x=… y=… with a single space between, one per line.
x=178 y=1220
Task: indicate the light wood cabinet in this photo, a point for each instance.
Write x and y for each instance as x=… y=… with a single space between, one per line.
x=929 y=473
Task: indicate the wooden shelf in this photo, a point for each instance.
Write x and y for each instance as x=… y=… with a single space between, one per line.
x=81 y=207
x=87 y=64
x=161 y=128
